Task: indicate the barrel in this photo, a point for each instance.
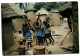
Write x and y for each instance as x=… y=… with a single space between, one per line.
x=39 y=50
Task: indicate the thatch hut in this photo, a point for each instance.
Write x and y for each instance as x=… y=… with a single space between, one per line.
x=70 y=11
x=43 y=14
x=7 y=14
x=55 y=17
x=50 y=18
x=52 y=10
x=65 y=6
x=19 y=20
x=31 y=14
x=66 y=11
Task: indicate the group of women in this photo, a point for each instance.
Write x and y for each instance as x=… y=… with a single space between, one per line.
x=41 y=32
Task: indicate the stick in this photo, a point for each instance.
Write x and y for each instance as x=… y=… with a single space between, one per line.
x=64 y=38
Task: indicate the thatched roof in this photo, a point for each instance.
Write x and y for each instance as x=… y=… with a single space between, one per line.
x=42 y=11
x=54 y=11
x=10 y=10
x=65 y=6
x=30 y=9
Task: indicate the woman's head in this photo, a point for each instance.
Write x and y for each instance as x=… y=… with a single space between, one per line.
x=45 y=23
x=37 y=23
x=26 y=25
x=23 y=25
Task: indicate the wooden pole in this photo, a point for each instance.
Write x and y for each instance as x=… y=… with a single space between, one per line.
x=64 y=38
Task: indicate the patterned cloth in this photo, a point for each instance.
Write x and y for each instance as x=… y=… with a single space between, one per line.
x=29 y=39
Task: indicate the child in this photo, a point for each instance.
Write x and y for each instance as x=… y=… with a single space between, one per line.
x=21 y=49
x=21 y=38
x=29 y=41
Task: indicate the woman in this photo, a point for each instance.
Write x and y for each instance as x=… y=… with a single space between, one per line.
x=28 y=35
x=24 y=34
x=47 y=33
x=39 y=32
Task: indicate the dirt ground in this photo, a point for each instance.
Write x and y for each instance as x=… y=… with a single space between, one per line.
x=58 y=33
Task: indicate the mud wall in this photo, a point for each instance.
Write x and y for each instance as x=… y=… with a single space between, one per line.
x=31 y=15
x=56 y=19
x=75 y=27
x=43 y=17
x=17 y=22
x=7 y=34
x=72 y=15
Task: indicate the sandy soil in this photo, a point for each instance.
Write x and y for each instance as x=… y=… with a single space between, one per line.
x=58 y=33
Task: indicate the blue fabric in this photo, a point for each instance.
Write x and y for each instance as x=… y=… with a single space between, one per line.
x=39 y=32
x=28 y=33
x=40 y=39
x=24 y=34
x=24 y=31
